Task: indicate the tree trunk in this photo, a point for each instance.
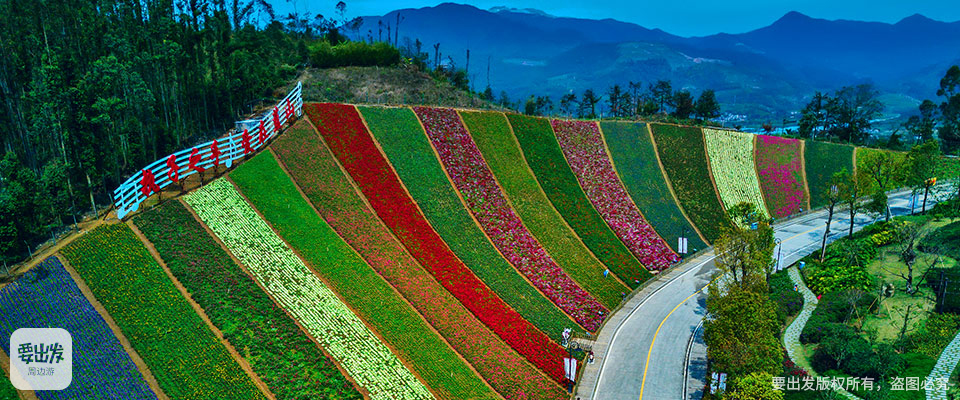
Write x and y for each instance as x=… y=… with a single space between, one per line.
x=826 y=232
x=926 y=191
x=853 y=214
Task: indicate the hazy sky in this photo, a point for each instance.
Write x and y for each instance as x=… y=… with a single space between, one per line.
x=680 y=17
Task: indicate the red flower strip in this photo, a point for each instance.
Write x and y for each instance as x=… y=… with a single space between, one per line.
x=314 y=169
x=485 y=200
x=583 y=147
x=353 y=145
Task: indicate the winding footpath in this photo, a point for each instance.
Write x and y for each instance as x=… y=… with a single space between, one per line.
x=945 y=365
x=791 y=338
x=645 y=349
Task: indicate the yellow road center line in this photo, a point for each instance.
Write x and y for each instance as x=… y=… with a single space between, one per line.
x=643 y=381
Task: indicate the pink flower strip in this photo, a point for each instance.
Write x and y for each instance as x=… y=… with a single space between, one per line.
x=583 y=147
x=778 y=161
x=487 y=203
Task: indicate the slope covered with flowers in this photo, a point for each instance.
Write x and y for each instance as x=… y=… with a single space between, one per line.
x=488 y=205
x=156 y=319
x=291 y=283
x=47 y=296
x=330 y=190
x=586 y=153
x=733 y=168
x=492 y=135
x=684 y=158
x=546 y=159
x=635 y=161
x=353 y=146
x=274 y=345
x=779 y=163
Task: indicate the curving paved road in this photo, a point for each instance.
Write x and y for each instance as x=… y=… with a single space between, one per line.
x=642 y=350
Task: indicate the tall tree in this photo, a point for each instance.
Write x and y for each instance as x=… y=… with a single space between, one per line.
x=707 y=106
x=588 y=104
x=833 y=195
x=683 y=105
x=949 y=131
x=661 y=93
x=923 y=161
x=921 y=127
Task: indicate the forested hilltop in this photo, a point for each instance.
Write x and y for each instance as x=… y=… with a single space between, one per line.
x=94 y=90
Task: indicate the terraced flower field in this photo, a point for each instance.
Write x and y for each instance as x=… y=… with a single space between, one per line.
x=330 y=190
x=635 y=160
x=486 y=202
x=821 y=161
x=586 y=154
x=288 y=361
x=780 y=168
x=683 y=154
x=543 y=153
x=403 y=140
x=47 y=296
x=491 y=133
x=733 y=168
x=293 y=285
x=154 y=316
x=346 y=135
x=271 y=191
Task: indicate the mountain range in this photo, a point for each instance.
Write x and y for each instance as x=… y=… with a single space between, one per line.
x=764 y=73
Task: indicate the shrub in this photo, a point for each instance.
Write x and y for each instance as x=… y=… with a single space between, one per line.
x=789 y=302
x=934 y=334
x=944 y=240
x=360 y=54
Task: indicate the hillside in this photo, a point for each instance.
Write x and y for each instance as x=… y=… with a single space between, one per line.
x=400 y=251
x=384 y=85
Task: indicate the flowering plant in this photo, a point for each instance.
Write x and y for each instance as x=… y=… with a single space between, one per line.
x=778 y=161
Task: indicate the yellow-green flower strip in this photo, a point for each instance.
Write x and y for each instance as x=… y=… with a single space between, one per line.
x=188 y=361
x=294 y=286
x=493 y=136
x=731 y=161
x=407 y=147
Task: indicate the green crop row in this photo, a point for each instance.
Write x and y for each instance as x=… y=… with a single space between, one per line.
x=188 y=361
x=272 y=342
x=371 y=364
x=684 y=158
x=822 y=160
x=543 y=153
x=491 y=132
x=314 y=168
x=635 y=159
x=272 y=192
x=406 y=145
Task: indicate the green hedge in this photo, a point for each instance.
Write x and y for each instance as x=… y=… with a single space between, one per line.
x=684 y=158
x=543 y=153
x=272 y=342
x=636 y=161
x=821 y=161
x=272 y=192
x=491 y=132
x=360 y=54
x=160 y=324
x=406 y=145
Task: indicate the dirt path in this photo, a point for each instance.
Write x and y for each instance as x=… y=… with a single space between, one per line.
x=203 y=315
x=142 y=366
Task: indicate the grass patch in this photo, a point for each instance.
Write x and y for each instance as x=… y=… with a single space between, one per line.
x=272 y=192
x=314 y=169
x=821 y=161
x=685 y=161
x=272 y=342
x=154 y=316
x=542 y=151
x=635 y=159
x=491 y=132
